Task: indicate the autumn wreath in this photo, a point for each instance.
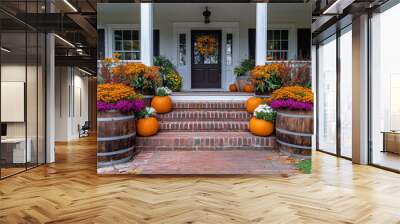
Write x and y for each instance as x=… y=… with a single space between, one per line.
x=206 y=45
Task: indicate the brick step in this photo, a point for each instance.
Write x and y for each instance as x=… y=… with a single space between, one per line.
x=169 y=140
x=204 y=115
x=204 y=125
x=226 y=105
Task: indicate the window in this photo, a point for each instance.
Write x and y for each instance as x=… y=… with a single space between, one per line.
x=228 y=49
x=127 y=43
x=278 y=44
x=182 y=49
x=327 y=96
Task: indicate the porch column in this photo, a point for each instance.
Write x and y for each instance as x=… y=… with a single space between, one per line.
x=146 y=33
x=261 y=33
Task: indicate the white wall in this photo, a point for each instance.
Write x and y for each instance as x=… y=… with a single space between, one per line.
x=71 y=102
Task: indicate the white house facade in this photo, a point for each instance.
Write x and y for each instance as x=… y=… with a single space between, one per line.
x=258 y=31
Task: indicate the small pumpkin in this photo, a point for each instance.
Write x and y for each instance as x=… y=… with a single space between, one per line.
x=252 y=103
x=147 y=126
x=248 y=88
x=162 y=104
x=261 y=127
x=233 y=88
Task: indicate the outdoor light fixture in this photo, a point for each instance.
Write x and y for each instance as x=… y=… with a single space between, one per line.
x=206 y=15
x=65 y=41
x=5 y=50
x=70 y=5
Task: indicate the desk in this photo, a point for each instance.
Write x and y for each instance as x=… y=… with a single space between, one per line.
x=13 y=150
x=391 y=141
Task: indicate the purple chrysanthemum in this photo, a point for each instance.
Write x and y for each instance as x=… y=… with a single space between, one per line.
x=291 y=105
x=122 y=105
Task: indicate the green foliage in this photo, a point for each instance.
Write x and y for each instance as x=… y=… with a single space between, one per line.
x=173 y=81
x=163 y=91
x=165 y=65
x=270 y=84
x=146 y=112
x=305 y=166
x=246 y=66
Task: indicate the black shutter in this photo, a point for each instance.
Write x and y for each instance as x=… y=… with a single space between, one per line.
x=156 y=43
x=303 y=44
x=100 y=44
x=252 y=44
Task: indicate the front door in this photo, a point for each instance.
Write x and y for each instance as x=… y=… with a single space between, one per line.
x=206 y=59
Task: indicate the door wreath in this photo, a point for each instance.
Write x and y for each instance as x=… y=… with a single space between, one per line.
x=206 y=45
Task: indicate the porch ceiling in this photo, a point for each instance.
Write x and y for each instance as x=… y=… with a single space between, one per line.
x=203 y=1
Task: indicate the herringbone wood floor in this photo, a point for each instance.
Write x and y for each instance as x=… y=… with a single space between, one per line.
x=71 y=192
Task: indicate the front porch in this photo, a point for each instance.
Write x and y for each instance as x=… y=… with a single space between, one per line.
x=256 y=31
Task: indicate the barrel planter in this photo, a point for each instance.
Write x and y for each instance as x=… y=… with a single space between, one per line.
x=294 y=131
x=147 y=100
x=116 y=133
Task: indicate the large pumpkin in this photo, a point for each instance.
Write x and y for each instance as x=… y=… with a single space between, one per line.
x=261 y=127
x=248 y=88
x=147 y=126
x=162 y=104
x=233 y=88
x=252 y=103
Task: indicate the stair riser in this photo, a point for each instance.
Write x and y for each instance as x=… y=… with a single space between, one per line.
x=204 y=126
x=214 y=148
x=209 y=105
x=233 y=142
x=205 y=116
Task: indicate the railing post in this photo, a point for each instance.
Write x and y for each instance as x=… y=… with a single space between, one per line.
x=146 y=33
x=261 y=33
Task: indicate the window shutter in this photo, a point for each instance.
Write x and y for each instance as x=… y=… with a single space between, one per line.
x=100 y=44
x=156 y=43
x=304 y=44
x=252 y=43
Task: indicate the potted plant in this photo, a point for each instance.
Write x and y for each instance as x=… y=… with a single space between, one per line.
x=147 y=125
x=266 y=78
x=116 y=104
x=262 y=124
x=162 y=102
x=242 y=73
x=171 y=77
x=294 y=121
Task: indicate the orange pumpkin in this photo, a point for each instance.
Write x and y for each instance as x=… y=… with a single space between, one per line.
x=248 y=88
x=162 y=104
x=261 y=127
x=252 y=103
x=233 y=88
x=147 y=126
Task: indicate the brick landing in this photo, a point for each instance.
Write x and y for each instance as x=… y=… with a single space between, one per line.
x=232 y=162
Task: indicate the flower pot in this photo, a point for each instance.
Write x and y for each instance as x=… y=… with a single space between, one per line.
x=261 y=127
x=294 y=130
x=252 y=103
x=116 y=133
x=147 y=126
x=241 y=81
x=162 y=104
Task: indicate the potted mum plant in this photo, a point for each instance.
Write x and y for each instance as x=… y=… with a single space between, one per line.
x=162 y=102
x=262 y=124
x=147 y=124
x=266 y=78
x=242 y=73
x=294 y=121
x=171 y=77
x=116 y=104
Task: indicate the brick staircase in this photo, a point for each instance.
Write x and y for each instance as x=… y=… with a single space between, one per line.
x=205 y=126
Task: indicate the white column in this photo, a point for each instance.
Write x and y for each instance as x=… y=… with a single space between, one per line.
x=360 y=90
x=146 y=33
x=50 y=92
x=261 y=33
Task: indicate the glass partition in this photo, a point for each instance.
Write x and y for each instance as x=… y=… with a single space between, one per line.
x=385 y=89
x=327 y=96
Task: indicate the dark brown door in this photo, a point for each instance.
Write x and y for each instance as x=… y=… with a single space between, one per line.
x=206 y=68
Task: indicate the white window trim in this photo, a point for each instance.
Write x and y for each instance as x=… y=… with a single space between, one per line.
x=110 y=37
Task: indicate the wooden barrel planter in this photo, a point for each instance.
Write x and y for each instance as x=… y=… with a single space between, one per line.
x=116 y=133
x=294 y=131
